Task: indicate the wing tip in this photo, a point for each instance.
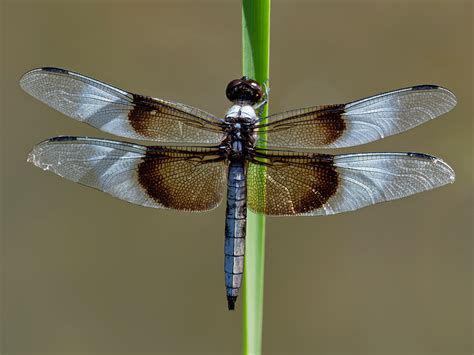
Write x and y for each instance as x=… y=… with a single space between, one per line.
x=34 y=156
x=449 y=176
x=448 y=170
x=448 y=93
x=27 y=80
x=439 y=163
x=31 y=157
x=47 y=69
x=38 y=70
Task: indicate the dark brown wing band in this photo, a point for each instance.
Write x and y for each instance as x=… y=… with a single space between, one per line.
x=306 y=127
x=285 y=185
x=152 y=117
x=191 y=181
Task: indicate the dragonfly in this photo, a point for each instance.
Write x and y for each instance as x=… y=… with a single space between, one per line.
x=267 y=165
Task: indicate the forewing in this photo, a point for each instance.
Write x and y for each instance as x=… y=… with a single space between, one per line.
x=190 y=179
x=118 y=112
x=358 y=122
x=317 y=184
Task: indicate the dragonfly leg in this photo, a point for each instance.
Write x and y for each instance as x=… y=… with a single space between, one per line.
x=261 y=104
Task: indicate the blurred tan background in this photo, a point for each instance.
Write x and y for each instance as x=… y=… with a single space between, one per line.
x=84 y=273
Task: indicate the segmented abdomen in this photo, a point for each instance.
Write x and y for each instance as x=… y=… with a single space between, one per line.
x=236 y=215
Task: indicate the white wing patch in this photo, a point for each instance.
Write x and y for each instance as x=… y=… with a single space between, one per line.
x=104 y=165
x=366 y=179
x=387 y=114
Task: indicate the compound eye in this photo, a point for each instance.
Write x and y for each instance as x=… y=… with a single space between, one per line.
x=232 y=89
x=244 y=90
x=253 y=84
x=256 y=88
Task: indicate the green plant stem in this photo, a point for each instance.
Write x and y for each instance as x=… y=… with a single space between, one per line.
x=256 y=59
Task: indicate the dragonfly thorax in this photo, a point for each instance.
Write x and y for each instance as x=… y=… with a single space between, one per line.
x=240 y=133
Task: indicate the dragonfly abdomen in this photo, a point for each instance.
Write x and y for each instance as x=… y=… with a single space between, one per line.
x=236 y=216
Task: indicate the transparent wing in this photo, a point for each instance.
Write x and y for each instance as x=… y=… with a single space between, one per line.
x=358 y=122
x=190 y=179
x=118 y=112
x=317 y=184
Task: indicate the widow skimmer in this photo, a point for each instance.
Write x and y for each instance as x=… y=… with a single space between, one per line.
x=200 y=156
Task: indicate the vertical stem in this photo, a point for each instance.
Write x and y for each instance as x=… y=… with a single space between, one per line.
x=256 y=57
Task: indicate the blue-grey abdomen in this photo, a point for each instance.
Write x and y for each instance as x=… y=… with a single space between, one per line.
x=236 y=216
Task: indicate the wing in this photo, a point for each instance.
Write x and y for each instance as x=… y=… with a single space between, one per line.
x=190 y=179
x=358 y=122
x=118 y=112
x=317 y=184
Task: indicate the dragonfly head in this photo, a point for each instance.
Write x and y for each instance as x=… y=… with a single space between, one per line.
x=244 y=90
